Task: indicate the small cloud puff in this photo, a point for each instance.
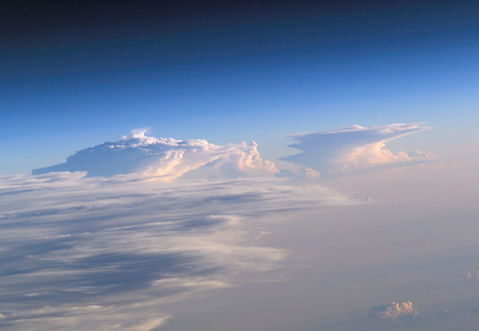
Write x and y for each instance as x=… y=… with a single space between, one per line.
x=356 y=147
x=394 y=310
x=472 y=275
x=166 y=158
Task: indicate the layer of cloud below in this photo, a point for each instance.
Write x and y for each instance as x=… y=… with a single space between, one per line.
x=111 y=253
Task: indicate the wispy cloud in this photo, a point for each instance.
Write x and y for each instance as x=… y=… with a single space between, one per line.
x=92 y=252
x=356 y=147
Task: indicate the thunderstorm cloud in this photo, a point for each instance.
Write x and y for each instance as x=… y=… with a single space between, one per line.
x=353 y=148
x=166 y=158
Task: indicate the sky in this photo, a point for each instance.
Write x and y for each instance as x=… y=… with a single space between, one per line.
x=74 y=76
x=250 y=166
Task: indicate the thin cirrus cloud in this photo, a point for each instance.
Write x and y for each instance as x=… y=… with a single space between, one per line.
x=354 y=148
x=166 y=158
x=83 y=252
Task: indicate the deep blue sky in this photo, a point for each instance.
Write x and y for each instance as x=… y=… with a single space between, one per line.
x=76 y=75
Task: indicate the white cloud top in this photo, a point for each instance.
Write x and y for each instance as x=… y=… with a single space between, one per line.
x=356 y=147
x=166 y=158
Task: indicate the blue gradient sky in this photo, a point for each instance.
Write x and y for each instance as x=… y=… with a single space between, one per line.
x=234 y=74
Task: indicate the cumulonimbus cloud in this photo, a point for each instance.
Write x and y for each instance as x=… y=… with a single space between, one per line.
x=166 y=158
x=356 y=147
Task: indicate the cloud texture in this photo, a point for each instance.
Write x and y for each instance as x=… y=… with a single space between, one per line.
x=356 y=147
x=111 y=253
x=166 y=158
x=394 y=310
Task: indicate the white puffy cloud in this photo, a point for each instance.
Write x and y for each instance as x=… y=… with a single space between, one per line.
x=356 y=147
x=394 y=310
x=115 y=252
x=166 y=158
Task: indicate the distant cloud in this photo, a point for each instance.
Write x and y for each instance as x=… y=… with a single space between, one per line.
x=326 y=152
x=394 y=310
x=103 y=253
x=472 y=275
x=355 y=147
x=166 y=158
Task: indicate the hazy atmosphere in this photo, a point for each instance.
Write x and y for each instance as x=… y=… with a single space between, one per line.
x=227 y=167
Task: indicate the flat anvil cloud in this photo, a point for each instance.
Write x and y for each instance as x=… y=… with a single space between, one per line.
x=166 y=158
x=356 y=147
